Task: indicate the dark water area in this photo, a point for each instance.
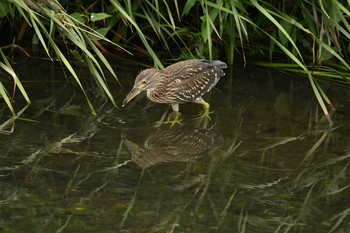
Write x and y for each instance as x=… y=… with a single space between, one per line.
x=267 y=161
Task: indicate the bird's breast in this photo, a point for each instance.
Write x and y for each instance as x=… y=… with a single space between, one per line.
x=161 y=95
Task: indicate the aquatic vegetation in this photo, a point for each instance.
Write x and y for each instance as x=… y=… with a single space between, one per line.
x=261 y=165
x=313 y=35
x=268 y=161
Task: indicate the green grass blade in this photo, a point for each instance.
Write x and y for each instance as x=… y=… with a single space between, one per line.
x=71 y=70
x=152 y=22
x=10 y=122
x=208 y=32
x=120 y=9
x=177 y=10
x=101 y=57
x=80 y=40
x=341 y=218
x=99 y=79
x=20 y=6
x=333 y=52
x=34 y=20
x=278 y=25
x=169 y=14
x=66 y=62
x=7 y=67
x=188 y=6
x=320 y=2
x=79 y=26
x=301 y=65
x=4 y=95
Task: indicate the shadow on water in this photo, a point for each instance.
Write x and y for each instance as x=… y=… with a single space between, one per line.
x=266 y=162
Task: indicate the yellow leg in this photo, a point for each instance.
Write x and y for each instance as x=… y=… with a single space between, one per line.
x=176 y=119
x=206 y=109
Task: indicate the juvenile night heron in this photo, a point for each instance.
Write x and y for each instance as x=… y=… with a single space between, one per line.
x=184 y=81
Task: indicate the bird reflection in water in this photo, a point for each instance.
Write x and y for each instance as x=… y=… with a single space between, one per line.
x=170 y=145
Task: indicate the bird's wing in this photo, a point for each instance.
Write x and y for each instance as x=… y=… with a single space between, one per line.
x=192 y=79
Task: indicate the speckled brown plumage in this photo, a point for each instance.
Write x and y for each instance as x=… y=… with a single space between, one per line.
x=185 y=81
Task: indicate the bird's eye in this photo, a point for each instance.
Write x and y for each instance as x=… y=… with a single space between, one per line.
x=143 y=82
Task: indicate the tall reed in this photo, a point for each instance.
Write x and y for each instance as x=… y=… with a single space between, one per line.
x=313 y=35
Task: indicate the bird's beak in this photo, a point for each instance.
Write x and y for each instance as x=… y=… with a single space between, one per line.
x=132 y=94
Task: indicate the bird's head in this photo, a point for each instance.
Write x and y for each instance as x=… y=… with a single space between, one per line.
x=145 y=80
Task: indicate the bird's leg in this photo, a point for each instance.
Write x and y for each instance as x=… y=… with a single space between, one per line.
x=175 y=107
x=176 y=118
x=206 y=109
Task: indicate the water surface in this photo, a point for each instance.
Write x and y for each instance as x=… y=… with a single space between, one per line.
x=267 y=161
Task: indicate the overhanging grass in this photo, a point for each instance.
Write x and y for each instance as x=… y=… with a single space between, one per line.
x=306 y=32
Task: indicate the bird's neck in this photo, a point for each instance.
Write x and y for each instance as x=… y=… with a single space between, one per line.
x=160 y=81
x=159 y=88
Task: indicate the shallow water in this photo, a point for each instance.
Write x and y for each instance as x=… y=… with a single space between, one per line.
x=267 y=161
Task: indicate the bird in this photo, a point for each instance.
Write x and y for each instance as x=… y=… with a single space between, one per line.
x=181 y=82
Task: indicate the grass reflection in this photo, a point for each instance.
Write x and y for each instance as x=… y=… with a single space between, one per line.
x=251 y=169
